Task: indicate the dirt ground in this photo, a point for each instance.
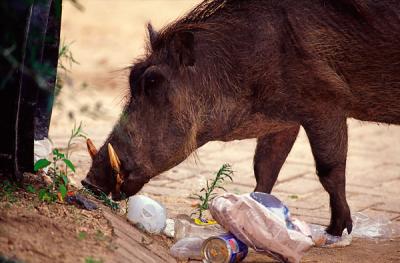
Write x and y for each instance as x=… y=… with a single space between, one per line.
x=34 y=231
x=105 y=38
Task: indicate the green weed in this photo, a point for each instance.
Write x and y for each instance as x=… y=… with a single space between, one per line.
x=7 y=191
x=92 y=260
x=30 y=189
x=82 y=235
x=59 y=186
x=65 y=62
x=225 y=172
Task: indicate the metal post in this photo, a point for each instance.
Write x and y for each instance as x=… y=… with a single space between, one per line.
x=28 y=64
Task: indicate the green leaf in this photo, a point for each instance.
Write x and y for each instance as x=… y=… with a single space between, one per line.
x=69 y=164
x=42 y=192
x=58 y=154
x=44 y=195
x=63 y=191
x=230 y=177
x=40 y=164
x=82 y=235
x=30 y=189
x=65 y=179
x=92 y=260
x=220 y=187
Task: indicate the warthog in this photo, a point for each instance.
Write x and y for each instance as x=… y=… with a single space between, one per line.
x=234 y=69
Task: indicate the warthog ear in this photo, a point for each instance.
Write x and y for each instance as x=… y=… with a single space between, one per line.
x=152 y=34
x=182 y=48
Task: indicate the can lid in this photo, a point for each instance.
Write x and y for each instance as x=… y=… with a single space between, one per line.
x=215 y=250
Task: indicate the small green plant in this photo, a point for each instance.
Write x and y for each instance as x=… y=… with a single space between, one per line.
x=47 y=194
x=93 y=260
x=207 y=193
x=7 y=190
x=76 y=132
x=65 y=62
x=59 y=176
x=82 y=235
x=30 y=189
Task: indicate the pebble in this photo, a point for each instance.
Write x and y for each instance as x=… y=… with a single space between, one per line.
x=169 y=229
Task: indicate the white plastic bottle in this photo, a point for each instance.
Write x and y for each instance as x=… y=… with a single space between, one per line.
x=147 y=213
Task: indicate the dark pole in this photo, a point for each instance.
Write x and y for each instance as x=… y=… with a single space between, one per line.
x=28 y=62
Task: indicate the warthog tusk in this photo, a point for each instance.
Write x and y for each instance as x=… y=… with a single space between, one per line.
x=114 y=160
x=116 y=166
x=91 y=148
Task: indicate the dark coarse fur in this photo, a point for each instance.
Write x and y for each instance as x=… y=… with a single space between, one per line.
x=237 y=69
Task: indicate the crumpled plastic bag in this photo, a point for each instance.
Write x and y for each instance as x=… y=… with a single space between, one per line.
x=265 y=230
x=42 y=149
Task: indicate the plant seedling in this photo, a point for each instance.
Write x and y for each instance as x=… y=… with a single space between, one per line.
x=7 y=191
x=207 y=193
x=59 y=188
x=30 y=189
x=65 y=62
x=82 y=235
x=92 y=260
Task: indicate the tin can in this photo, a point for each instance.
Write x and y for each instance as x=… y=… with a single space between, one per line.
x=224 y=248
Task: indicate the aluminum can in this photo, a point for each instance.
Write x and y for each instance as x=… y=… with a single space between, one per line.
x=225 y=248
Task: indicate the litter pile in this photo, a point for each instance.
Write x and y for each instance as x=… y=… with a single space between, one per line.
x=256 y=221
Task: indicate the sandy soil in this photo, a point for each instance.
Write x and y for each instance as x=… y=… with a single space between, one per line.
x=33 y=231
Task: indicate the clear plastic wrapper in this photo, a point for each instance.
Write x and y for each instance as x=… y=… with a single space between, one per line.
x=373 y=228
x=184 y=227
x=378 y=228
x=322 y=239
x=188 y=248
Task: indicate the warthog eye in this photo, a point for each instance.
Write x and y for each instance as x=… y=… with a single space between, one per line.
x=153 y=80
x=152 y=83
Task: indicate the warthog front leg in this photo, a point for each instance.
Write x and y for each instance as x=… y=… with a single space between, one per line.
x=271 y=153
x=328 y=139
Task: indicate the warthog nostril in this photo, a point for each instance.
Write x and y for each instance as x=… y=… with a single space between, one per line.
x=116 y=196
